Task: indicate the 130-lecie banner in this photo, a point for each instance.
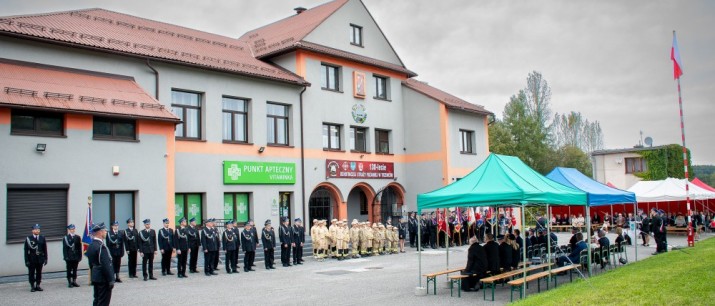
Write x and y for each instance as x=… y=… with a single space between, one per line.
x=359 y=169
x=246 y=172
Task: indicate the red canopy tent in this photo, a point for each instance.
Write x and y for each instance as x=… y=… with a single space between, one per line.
x=702 y=184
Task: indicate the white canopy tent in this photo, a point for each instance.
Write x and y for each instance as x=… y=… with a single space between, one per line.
x=670 y=189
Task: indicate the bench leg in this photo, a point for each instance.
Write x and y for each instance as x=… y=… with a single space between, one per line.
x=571 y=275
x=434 y=284
x=459 y=288
x=538 y=285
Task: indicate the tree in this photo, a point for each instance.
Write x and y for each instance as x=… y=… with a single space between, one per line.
x=573 y=129
x=572 y=157
x=500 y=139
x=528 y=134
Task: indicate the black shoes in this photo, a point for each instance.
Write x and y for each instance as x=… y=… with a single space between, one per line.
x=169 y=273
x=117 y=280
x=145 y=278
x=37 y=288
x=163 y=273
x=213 y=273
x=152 y=278
x=32 y=289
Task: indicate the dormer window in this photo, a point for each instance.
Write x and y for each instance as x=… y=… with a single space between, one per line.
x=356 y=35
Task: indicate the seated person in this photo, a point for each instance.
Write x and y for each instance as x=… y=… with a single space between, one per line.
x=573 y=257
x=516 y=255
x=558 y=219
x=476 y=264
x=619 y=238
x=574 y=239
x=680 y=221
x=505 y=254
x=596 y=219
x=492 y=250
x=601 y=253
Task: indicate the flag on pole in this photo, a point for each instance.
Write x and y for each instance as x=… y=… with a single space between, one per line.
x=86 y=238
x=458 y=221
x=675 y=56
x=471 y=218
x=446 y=225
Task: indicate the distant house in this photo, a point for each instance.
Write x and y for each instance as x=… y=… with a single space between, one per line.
x=621 y=166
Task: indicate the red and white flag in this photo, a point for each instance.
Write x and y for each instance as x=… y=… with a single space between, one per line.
x=471 y=218
x=675 y=57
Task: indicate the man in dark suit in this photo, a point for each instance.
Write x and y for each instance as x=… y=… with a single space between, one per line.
x=229 y=240
x=256 y=241
x=505 y=254
x=248 y=243
x=208 y=243
x=268 y=237
x=299 y=240
x=286 y=238
x=115 y=243
x=35 y=257
x=476 y=264
x=181 y=244
x=147 y=249
x=100 y=263
x=72 y=254
x=432 y=230
x=412 y=227
x=492 y=250
x=131 y=245
x=192 y=232
x=166 y=246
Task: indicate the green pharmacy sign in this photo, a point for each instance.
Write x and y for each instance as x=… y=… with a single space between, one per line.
x=244 y=172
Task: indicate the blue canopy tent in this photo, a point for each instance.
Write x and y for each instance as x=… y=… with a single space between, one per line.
x=597 y=194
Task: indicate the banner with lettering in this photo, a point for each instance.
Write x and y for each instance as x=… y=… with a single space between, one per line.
x=359 y=169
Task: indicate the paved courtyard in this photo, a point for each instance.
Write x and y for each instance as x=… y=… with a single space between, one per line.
x=370 y=281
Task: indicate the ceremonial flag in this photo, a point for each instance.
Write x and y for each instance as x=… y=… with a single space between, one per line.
x=458 y=221
x=471 y=218
x=86 y=238
x=675 y=56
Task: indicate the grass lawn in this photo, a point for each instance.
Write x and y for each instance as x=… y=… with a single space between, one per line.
x=674 y=278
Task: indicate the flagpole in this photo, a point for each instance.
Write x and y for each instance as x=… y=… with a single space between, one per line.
x=691 y=242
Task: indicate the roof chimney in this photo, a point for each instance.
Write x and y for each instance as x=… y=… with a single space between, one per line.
x=299 y=10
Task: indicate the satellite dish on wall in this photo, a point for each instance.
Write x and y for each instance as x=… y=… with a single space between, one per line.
x=648 y=141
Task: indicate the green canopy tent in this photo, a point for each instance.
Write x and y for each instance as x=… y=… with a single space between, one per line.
x=501 y=181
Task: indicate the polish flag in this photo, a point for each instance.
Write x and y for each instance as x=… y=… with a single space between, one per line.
x=675 y=56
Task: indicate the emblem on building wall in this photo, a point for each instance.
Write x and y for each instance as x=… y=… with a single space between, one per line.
x=359 y=113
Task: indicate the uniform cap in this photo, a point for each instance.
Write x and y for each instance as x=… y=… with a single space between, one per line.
x=71 y=226
x=229 y=222
x=98 y=227
x=130 y=220
x=345 y=220
x=36 y=226
x=297 y=220
x=284 y=219
x=115 y=223
x=147 y=221
x=355 y=221
x=182 y=220
x=192 y=220
x=166 y=220
x=268 y=222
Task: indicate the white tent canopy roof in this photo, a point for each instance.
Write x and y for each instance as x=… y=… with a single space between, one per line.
x=670 y=189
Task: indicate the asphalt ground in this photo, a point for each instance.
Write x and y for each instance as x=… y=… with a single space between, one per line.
x=387 y=279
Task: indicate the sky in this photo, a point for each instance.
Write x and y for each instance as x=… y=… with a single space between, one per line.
x=609 y=60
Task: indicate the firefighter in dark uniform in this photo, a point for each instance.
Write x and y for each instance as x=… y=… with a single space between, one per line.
x=131 y=245
x=72 y=254
x=147 y=249
x=115 y=243
x=35 y=257
x=208 y=243
x=181 y=244
x=237 y=233
x=254 y=231
x=268 y=238
x=100 y=263
x=166 y=246
x=299 y=240
x=217 y=239
x=248 y=243
x=286 y=238
x=194 y=241
x=229 y=240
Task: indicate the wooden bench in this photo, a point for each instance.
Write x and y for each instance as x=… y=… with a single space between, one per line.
x=518 y=283
x=457 y=280
x=561 y=228
x=677 y=230
x=432 y=277
x=491 y=280
x=569 y=268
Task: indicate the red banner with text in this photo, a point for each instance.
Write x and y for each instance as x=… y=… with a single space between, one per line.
x=359 y=169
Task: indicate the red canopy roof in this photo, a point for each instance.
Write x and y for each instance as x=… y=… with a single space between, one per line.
x=702 y=184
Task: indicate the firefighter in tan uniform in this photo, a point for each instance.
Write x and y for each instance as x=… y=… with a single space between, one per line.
x=314 y=237
x=320 y=233
x=355 y=238
x=344 y=239
x=388 y=239
x=331 y=237
x=376 y=239
x=365 y=239
x=395 y=240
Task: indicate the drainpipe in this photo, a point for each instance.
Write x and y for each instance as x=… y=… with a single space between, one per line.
x=302 y=158
x=156 y=74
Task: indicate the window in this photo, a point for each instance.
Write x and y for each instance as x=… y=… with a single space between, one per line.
x=187 y=106
x=277 y=124
x=235 y=120
x=381 y=87
x=331 y=136
x=330 y=77
x=188 y=205
x=382 y=141
x=356 y=35
x=108 y=206
x=358 y=139
x=236 y=207
x=363 y=203
x=466 y=143
x=636 y=164
x=112 y=128
x=36 y=123
x=25 y=201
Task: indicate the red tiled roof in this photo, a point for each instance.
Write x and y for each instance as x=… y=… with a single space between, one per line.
x=447 y=99
x=287 y=35
x=62 y=89
x=107 y=30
